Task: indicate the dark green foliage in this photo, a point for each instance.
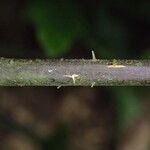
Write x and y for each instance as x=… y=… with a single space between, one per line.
x=59 y=140
x=58 y=24
x=127 y=105
x=112 y=28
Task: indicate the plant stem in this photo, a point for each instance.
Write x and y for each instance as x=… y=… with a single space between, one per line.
x=74 y=72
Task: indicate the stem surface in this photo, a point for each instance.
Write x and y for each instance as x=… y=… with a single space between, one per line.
x=74 y=72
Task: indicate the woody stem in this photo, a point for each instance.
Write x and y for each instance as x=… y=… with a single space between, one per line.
x=23 y=72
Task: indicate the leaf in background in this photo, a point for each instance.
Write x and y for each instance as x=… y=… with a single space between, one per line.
x=127 y=105
x=57 y=23
x=138 y=9
x=111 y=35
x=146 y=54
x=60 y=139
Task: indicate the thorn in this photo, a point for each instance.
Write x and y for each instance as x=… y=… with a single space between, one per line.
x=92 y=85
x=93 y=56
x=114 y=65
x=73 y=77
x=58 y=87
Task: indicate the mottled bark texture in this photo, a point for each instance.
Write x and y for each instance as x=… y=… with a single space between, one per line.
x=77 y=72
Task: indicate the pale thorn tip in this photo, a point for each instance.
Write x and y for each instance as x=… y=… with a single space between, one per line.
x=93 y=56
x=58 y=87
x=92 y=85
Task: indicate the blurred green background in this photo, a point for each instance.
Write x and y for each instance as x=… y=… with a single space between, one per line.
x=99 y=118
